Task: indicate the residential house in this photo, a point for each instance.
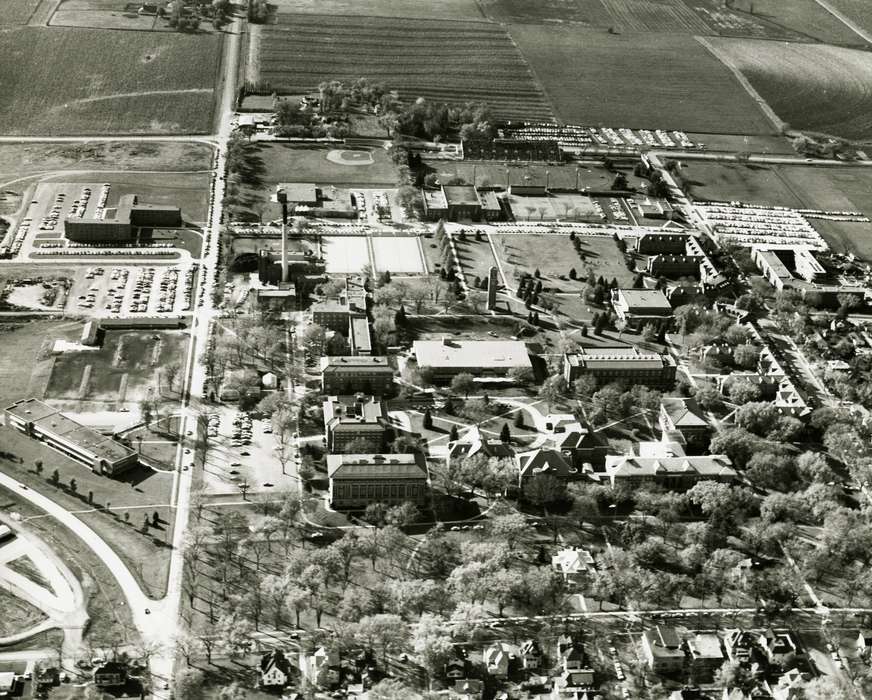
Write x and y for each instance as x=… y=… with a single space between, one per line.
x=741 y=646
x=686 y=417
x=456 y=667
x=356 y=480
x=473 y=443
x=621 y=364
x=498 y=658
x=466 y=689
x=638 y=307
x=864 y=643
x=321 y=668
x=573 y=685
x=543 y=462
x=531 y=655
x=359 y=419
x=663 y=649
x=791 y=685
x=780 y=645
x=275 y=669
x=110 y=674
x=576 y=565
x=706 y=654
x=570 y=654
x=581 y=446
x=367 y=374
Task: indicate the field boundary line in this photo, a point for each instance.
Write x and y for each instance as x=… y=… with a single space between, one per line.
x=865 y=36
x=546 y=97
x=726 y=61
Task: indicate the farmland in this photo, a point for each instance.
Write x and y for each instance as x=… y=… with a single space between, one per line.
x=810 y=86
x=694 y=92
x=589 y=12
x=445 y=9
x=857 y=11
x=805 y=18
x=644 y=16
x=17 y=12
x=126 y=82
x=439 y=60
x=104 y=14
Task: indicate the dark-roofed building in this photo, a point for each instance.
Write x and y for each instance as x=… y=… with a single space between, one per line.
x=275 y=669
x=304 y=193
x=543 y=462
x=360 y=419
x=680 y=472
x=655 y=243
x=494 y=358
x=473 y=443
x=121 y=222
x=621 y=364
x=98 y=452
x=456 y=202
x=637 y=307
x=686 y=417
x=346 y=314
x=663 y=649
x=582 y=445
x=351 y=374
x=357 y=480
x=110 y=674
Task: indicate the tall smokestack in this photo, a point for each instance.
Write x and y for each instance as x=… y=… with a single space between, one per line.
x=282 y=198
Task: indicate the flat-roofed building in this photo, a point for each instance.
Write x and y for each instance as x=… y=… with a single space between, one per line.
x=359 y=419
x=490 y=358
x=96 y=451
x=300 y=193
x=663 y=649
x=352 y=374
x=637 y=307
x=121 y=222
x=346 y=314
x=356 y=480
x=624 y=364
x=654 y=243
x=456 y=202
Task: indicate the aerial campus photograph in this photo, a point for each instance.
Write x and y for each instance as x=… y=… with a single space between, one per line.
x=436 y=349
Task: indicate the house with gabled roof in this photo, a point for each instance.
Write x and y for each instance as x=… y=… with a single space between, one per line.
x=275 y=669
x=741 y=646
x=498 y=657
x=321 y=668
x=679 y=472
x=574 y=564
x=663 y=649
x=580 y=446
x=779 y=644
x=683 y=415
x=531 y=655
x=466 y=689
x=706 y=653
x=473 y=443
x=543 y=462
x=864 y=642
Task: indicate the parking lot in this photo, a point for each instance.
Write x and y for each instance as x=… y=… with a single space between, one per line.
x=243 y=450
x=132 y=290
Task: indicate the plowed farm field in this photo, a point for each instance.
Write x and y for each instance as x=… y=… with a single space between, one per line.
x=450 y=61
x=810 y=86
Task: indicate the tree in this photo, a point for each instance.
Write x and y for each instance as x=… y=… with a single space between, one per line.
x=757 y=417
x=732 y=675
x=385 y=631
x=402 y=515
x=553 y=389
x=453 y=434
x=37 y=465
x=746 y=356
x=392 y=689
x=188 y=683
x=74 y=486
x=55 y=477
x=462 y=383
x=828 y=688
x=432 y=644
x=428 y=420
x=743 y=391
x=505 y=434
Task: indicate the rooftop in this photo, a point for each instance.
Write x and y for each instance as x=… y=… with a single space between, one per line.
x=471 y=353
x=703 y=465
x=339 y=363
x=377 y=466
x=643 y=299
x=684 y=413
x=353 y=409
x=300 y=191
x=461 y=195
x=623 y=357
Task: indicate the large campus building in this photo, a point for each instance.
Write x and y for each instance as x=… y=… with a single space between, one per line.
x=352 y=374
x=346 y=314
x=490 y=358
x=356 y=423
x=621 y=364
x=120 y=223
x=456 y=202
x=98 y=452
x=359 y=479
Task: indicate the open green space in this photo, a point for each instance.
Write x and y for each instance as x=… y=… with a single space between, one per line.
x=127 y=360
x=476 y=257
x=807 y=18
x=810 y=86
x=440 y=60
x=116 y=509
x=24 y=565
x=856 y=11
x=668 y=16
x=726 y=182
x=653 y=81
x=17 y=12
x=18 y=615
x=125 y=82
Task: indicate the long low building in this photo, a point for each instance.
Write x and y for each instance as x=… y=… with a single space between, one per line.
x=671 y=472
x=120 y=223
x=350 y=374
x=96 y=451
x=621 y=364
x=489 y=358
x=357 y=480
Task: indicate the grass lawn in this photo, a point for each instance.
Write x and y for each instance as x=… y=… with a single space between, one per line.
x=18 y=615
x=138 y=492
x=126 y=82
x=585 y=12
x=810 y=86
x=491 y=173
x=17 y=12
x=22 y=344
x=726 y=182
x=804 y=17
x=855 y=10
x=476 y=257
x=107 y=607
x=24 y=565
x=695 y=93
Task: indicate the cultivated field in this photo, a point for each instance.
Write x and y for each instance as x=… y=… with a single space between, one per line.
x=726 y=182
x=440 y=60
x=125 y=82
x=857 y=11
x=423 y=9
x=803 y=17
x=671 y=16
x=104 y=14
x=693 y=92
x=397 y=254
x=17 y=12
x=810 y=86
x=590 y=12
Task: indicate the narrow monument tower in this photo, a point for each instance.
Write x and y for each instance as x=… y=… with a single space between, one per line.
x=492 y=288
